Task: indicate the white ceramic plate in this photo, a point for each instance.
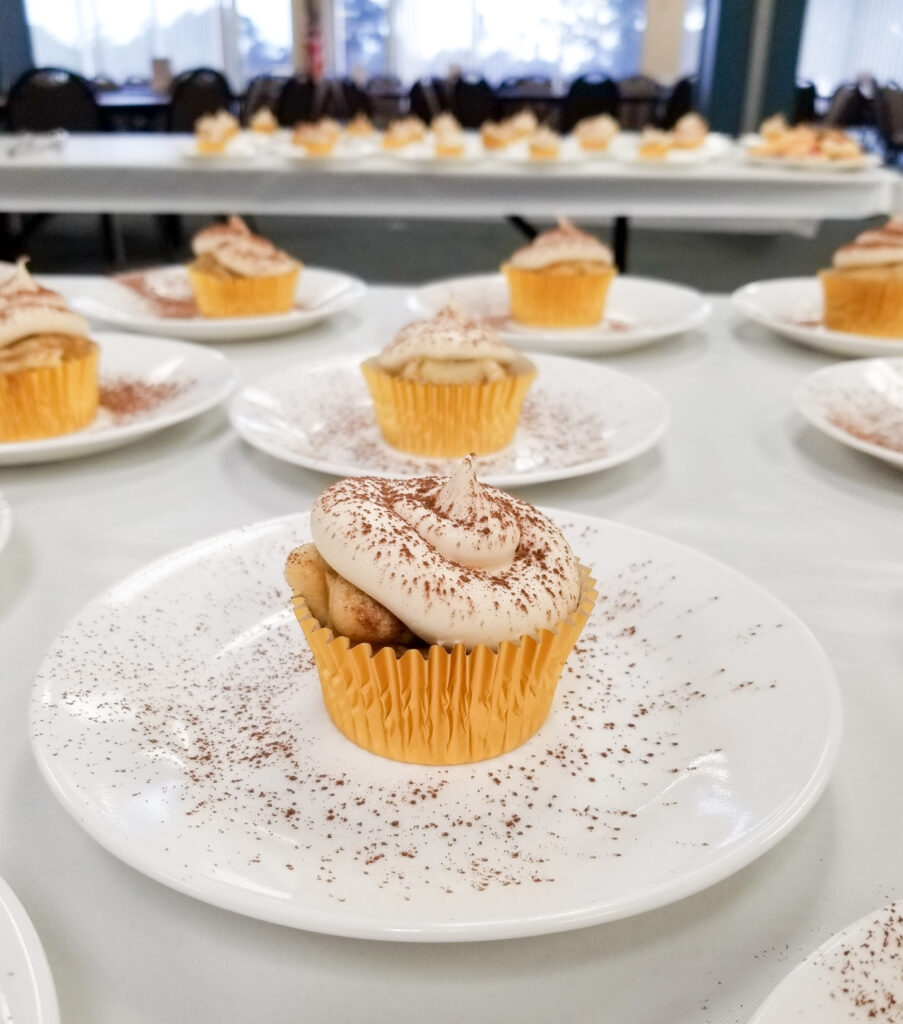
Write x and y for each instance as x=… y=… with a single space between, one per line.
x=186 y=381
x=27 y=993
x=179 y=720
x=346 y=150
x=859 y=403
x=792 y=307
x=321 y=293
x=638 y=311
x=570 y=153
x=423 y=154
x=625 y=149
x=239 y=149
x=855 y=976
x=6 y=522
x=862 y=163
x=577 y=419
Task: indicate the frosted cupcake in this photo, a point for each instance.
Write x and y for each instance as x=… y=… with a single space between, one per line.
x=448 y=386
x=863 y=290
x=264 y=121
x=213 y=132
x=359 y=127
x=544 y=144
x=48 y=364
x=315 y=139
x=440 y=613
x=561 y=279
x=689 y=132
x=595 y=133
x=237 y=273
x=654 y=144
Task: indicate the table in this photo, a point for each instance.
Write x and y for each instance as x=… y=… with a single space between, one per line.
x=738 y=475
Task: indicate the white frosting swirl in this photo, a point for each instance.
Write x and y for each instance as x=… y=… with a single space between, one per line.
x=446 y=336
x=241 y=252
x=26 y=309
x=563 y=244
x=877 y=247
x=455 y=561
x=207 y=240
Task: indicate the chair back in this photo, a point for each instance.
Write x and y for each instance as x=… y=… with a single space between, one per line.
x=804 y=96
x=889 y=115
x=681 y=100
x=424 y=101
x=297 y=101
x=640 y=96
x=473 y=102
x=263 y=91
x=356 y=100
x=848 y=107
x=44 y=99
x=194 y=94
x=588 y=96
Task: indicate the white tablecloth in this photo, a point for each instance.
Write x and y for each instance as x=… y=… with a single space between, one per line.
x=738 y=475
x=135 y=173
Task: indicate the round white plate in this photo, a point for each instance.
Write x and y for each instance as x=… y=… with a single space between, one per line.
x=423 y=154
x=855 y=976
x=6 y=522
x=27 y=993
x=179 y=720
x=624 y=148
x=577 y=419
x=238 y=150
x=320 y=294
x=345 y=150
x=792 y=307
x=638 y=311
x=191 y=380
x=859 y=403
x=570 y=153
x=861 y=163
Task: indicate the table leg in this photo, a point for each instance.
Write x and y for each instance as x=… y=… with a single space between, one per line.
x=523 y=226
x=619 y=242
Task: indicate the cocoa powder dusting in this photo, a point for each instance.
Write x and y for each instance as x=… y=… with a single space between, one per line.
x=127 y=397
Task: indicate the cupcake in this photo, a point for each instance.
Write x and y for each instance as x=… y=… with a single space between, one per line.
x=213 y=132
x=772 y=128
x=561 y=279
x=495 y=136
x=403 y=133
x=595 y=133
x=863 y=290
x=654 y=144
x=440 y=613
x=449 y=142
x=237 y=273
x=522 y=124
x=314 y=139
x=448 y=386
x=263 y=121
x=359 y=127
x=689 y=132
x=48 y=365
x=544 y=144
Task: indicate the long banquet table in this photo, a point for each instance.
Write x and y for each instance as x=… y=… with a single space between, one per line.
x=134 y=173
x=738 y=475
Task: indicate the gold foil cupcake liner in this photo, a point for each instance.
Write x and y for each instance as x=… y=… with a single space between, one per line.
x=867 y=301
x=47 y=401
x=447 y=420
x=442 y=706
x=219 y=296
x=542 y=299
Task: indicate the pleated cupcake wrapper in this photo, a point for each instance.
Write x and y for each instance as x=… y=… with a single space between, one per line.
x=557 y=300
x=447 y=420
x=243 y=296
x=446 y=706
x=864 y=301
x=49 y=400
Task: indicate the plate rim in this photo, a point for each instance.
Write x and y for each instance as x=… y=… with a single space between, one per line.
x=801 y=395
x=6 y=523
x=35 y=957
x=771 y=829
x=256 y=327
x=499 y=479
x=830 y=341
x=78 y=444
x=574 y=344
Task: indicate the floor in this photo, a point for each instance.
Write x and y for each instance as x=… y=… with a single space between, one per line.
x=398 y=251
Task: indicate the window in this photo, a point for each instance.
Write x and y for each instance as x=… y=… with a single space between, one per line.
x=119 y=41
x=843 y=41
x=558 y=39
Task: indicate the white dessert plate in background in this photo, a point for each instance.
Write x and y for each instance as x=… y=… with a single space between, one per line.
x=624 y=148
x=423 y=153
x=345 y=150
x=638 y=312
x=179 y=719
x=859 y=403
x=238 y=149
x=570 y=153
x=6 y=522
x=320 y=294
x=855 y=976
x=27 y=992
x=176 y=381
x=792 y=307
x=803 y=163
x=577 y=419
